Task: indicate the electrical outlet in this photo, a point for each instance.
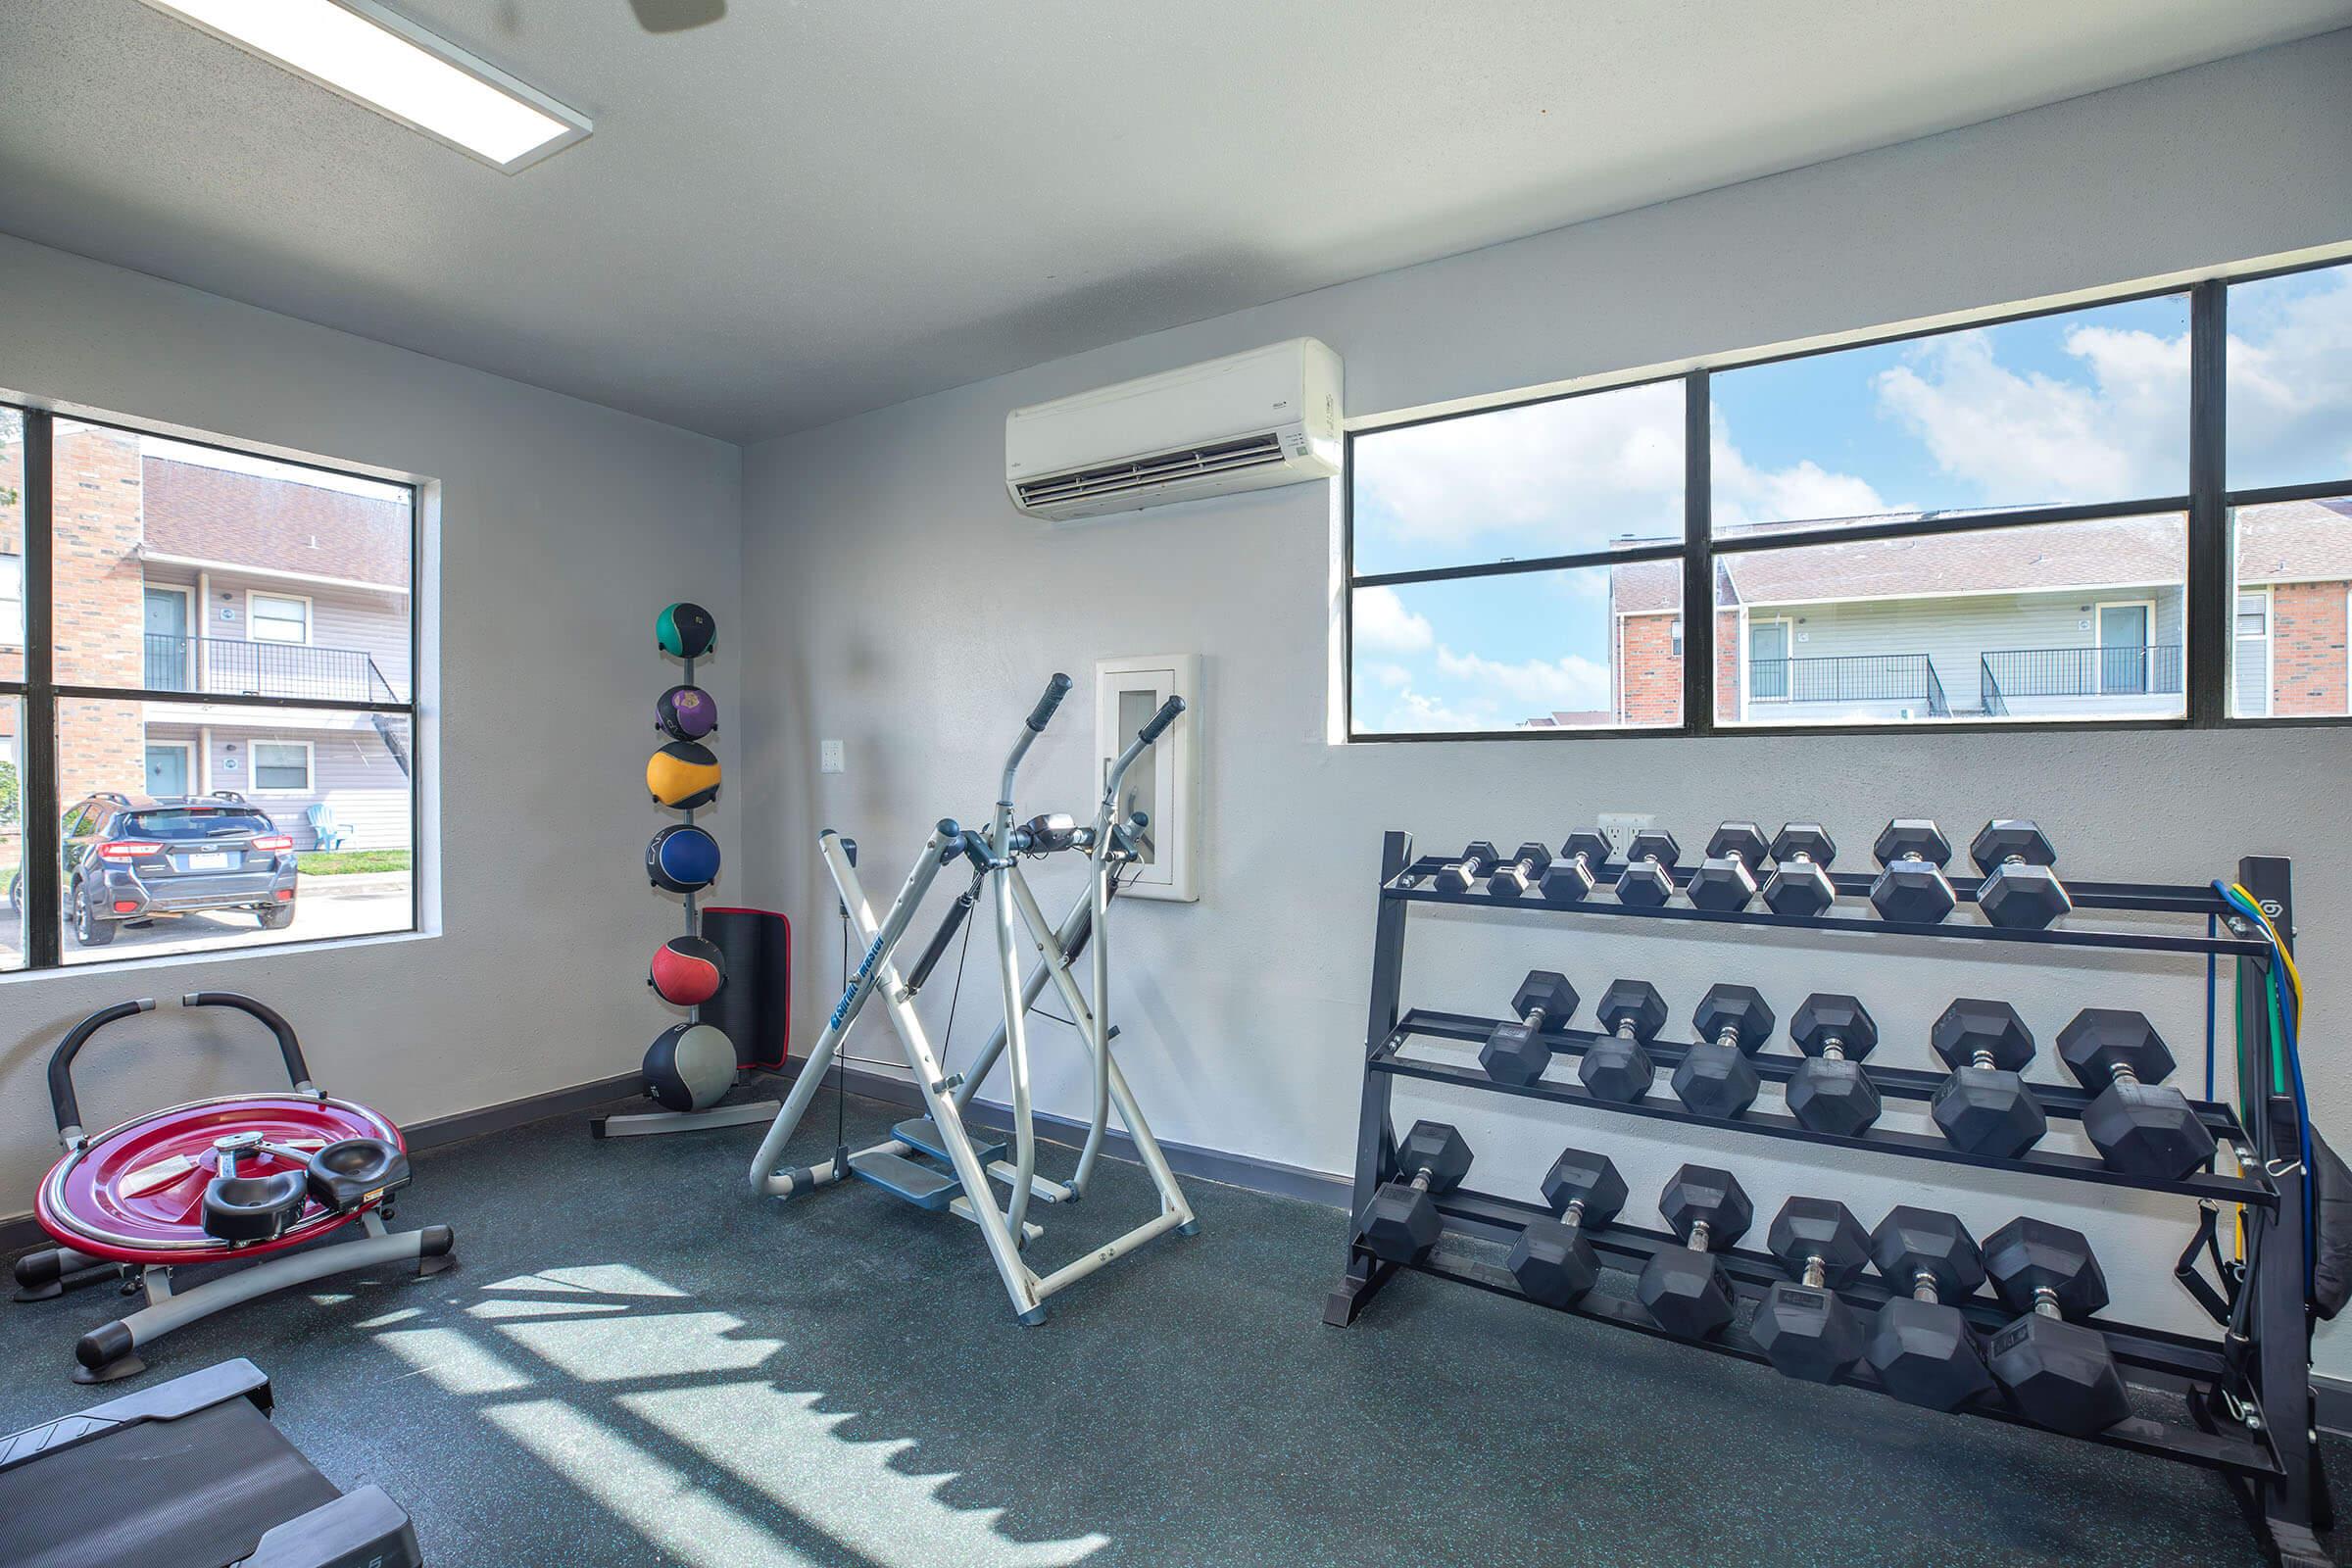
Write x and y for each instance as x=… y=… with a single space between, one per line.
x=830 y=758
x=1619 y=828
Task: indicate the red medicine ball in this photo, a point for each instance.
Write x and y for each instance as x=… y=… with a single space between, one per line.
x=687 y=971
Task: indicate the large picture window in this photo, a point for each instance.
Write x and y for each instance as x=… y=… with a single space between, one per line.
x=208 y=719
x=2132 y=512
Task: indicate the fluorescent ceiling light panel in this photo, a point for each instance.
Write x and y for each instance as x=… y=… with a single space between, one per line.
x=379 y=57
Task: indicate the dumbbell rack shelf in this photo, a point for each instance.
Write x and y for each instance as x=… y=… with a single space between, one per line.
x=2270 y=1460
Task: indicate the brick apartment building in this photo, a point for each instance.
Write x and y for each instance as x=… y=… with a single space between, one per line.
x=2084 y=619
x=173 y=576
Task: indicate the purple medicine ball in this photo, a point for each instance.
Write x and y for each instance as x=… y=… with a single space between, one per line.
x=686 y=714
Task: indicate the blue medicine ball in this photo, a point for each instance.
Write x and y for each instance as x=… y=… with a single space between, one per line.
x=683 y=858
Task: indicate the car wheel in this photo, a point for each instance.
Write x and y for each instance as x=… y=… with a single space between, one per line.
x=88 y=929
x=277 y=917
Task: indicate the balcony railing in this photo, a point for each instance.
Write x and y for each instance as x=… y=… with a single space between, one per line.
x=1849 y=678
x=231 y=666
x=2123 y=670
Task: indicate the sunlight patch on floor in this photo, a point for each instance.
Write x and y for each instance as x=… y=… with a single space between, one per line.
x=454 y=1360
x=663 y=1505
x=385 y=1320
x=662 y=1345
x=849 y=1490
x=503 y=1307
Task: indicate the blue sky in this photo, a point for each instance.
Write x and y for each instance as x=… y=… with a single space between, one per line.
x=2090 y=405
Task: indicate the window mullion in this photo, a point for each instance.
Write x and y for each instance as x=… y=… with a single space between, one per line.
x=38 y=800
x=2211 y=605
x=1699 y=562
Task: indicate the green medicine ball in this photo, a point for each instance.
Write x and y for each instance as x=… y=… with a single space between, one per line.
x=686 y=631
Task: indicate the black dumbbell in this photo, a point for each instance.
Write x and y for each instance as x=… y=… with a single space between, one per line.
x=1715 y=1077
x=2059 y=1374
x=2145 y=1128
x=1911 y=885
x=1478 y=858
x=1525 y=869
x=1517 y=1053
x=1401 y=1224
x=1727 y=878
x=1551 y=1260
x=2019 y=889
x=1803 y=1327
x=1800 y=884
x=1572 y=877
x=1829 y=1090
x=1682 y=1286
x=1985 y=1106
x=1649 y=880
x=1615 y=1067
x=1919 y=1344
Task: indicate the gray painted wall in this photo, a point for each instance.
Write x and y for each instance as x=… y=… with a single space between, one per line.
x=910 y=611
x=550 y=574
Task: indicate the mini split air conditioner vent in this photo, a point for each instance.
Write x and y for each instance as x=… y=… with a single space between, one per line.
x=1269 y=416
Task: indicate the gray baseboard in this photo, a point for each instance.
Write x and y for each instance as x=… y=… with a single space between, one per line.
x=1184 y=1159
x=2333 y=1403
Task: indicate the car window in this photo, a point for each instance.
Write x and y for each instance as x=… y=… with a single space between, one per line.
x=183 y=822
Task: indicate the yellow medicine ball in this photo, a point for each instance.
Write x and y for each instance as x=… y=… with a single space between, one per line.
x=683 y=774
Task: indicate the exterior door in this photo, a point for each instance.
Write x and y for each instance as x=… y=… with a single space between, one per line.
x=1768 y=659
x=2123 y=638
x=168 y=650
x=166 y=771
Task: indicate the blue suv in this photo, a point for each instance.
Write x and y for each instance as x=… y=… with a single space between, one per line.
x=133 y=858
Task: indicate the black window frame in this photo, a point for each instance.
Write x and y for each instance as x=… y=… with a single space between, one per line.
x=37 y=691
x=2209 y=629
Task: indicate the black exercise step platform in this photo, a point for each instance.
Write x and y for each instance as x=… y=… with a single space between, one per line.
x=923 y=1186
x=922 y=1133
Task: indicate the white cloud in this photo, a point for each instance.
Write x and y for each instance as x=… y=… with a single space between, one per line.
x=2290 y=380
x=1383 y=623
x=1412 y=712
x=2026 y=438
x=1744 y=494
x=1541 y=684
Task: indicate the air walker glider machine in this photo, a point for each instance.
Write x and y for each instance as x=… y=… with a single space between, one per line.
x=907 y=1162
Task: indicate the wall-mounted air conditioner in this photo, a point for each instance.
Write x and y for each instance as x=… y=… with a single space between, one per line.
x=1244 y=423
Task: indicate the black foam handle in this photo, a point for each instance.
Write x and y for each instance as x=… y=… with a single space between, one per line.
x=61 y=1062
x=298 y=1071
x=1160 y=720
x=1055 y=690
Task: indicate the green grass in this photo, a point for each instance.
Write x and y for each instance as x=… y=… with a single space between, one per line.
x=345 y=862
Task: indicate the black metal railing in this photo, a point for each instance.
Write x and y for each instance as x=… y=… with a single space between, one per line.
x=2117 y=671
x=232 y=666
x=1849 y=678
x=1988 y=691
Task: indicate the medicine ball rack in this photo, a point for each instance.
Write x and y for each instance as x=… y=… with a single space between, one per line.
x=2268 y=1458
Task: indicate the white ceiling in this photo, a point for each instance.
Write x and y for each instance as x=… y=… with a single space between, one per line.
x=816 y=207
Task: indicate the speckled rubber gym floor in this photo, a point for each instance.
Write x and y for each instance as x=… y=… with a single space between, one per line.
x=636 y=1362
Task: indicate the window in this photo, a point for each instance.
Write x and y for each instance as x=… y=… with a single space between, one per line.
x=12 y=601
x=281 y=767
x=1998 y=524
x=277 y=618
x=218 y=712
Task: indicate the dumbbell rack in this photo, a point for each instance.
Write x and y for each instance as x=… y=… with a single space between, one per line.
x=2269 y=1459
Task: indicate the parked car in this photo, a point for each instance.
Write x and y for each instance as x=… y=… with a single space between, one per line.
x=132 y=858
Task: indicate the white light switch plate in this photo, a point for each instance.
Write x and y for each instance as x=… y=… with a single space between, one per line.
x=829 y=757
x=1619 y=828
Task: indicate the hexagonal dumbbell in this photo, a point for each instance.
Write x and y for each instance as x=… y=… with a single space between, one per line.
x=1727 y=878
x=2019 y=889
x=2147 y=1129
x=1800 y=883
x=1551 y=1260
x=1803 y=1327
x=1911 y=886
x=1682 y=1286
x=1517 y=1053
x=1985 y=1106
x=1829 y=1092
x=1716 y=1078
x=1401 y=1223
x=1920 y=1344
x=1615 y=1067
x=2057 y=1373
x=1519 y=877
x=1478 y=859
x=1649 y=880
x=1572 y=877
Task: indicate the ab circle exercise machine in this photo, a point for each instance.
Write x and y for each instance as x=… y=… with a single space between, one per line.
x=934 y=1161
x=238 y=1179
x=731 y=969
